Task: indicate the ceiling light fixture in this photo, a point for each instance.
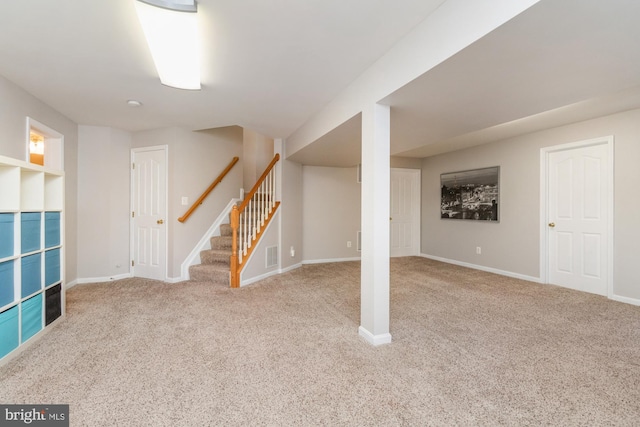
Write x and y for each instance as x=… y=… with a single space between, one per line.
x=171 y=29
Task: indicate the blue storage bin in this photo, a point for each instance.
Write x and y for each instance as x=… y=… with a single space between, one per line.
x=31 y=274
x=31 y=317
x=9 y=327
x=6 y=283
x=51 y=267
x=6 y=235
x=30 y=231
x=51 y=229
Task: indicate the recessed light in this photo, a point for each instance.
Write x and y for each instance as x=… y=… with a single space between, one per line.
x=134 y=103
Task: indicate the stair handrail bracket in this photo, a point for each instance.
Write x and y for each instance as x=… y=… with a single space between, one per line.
x=250 y=219
x=206 y=192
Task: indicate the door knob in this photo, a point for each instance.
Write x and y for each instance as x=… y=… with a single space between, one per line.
x=552 y=224
x=160 y=221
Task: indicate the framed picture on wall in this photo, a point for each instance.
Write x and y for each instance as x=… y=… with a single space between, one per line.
x=472 y=194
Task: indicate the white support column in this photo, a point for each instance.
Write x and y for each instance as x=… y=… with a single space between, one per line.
x=374 y=279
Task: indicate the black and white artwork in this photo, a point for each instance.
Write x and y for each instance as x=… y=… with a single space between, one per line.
x=471 y=194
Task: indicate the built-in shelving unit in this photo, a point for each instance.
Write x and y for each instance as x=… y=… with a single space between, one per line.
x=31 y=251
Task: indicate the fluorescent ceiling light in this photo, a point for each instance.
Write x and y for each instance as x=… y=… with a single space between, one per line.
x=171 y=29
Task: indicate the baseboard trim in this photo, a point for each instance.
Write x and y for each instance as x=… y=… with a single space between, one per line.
x=290 y=268
x=88 y=280
x=483 y=268
x=614 y=297
x=632 y=301
x=325 y=261
x=91 y=280
x=375 y=340
x=269 y=274
x=258 y=278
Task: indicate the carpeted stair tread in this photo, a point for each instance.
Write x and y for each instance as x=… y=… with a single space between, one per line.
x=215 y=256
x=221 y=242
x=215 y=273
x=225 y=230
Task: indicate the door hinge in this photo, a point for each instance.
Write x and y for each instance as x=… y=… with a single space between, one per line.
x=132 y=263
x=133 y=165
x=133 y=214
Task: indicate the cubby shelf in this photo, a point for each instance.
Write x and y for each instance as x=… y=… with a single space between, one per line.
x=32 y=293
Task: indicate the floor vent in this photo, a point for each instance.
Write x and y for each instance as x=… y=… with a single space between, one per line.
x=272 y=257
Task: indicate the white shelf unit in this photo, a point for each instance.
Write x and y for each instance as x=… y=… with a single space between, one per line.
x=32 y=294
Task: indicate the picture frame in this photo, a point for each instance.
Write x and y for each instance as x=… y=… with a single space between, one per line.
x=472 y=194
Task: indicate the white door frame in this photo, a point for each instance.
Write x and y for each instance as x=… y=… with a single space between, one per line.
x=164 y=148
x=544 y=218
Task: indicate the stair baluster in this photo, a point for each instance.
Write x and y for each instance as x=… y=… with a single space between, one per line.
x=250 y=219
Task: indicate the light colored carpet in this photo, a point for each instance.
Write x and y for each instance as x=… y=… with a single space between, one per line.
x=469 y=348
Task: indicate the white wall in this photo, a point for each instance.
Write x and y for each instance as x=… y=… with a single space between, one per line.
x=15 y=106
x=405 y=162
x=104 y=208
x=257 y=153
x=330 y=213
x=513 y=244
x=195 y=160
x=291 y=215
x=330 y=209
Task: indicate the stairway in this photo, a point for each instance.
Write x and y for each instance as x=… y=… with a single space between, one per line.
x=215 y=262
x=250 y=217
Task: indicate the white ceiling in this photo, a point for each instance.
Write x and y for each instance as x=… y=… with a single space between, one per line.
x=553 y=55
x=270 y=65
x=559 y=62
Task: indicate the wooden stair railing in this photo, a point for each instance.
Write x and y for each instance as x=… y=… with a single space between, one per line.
x=250 y=219
x=204 y=195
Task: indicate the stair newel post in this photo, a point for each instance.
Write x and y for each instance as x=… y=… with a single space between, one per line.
x=235 y=223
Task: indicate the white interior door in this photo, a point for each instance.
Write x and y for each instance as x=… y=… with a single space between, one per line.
x=578 y=217
x=149 y=228
x=404 y=233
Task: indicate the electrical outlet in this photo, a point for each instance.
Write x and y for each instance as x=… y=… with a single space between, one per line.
x=349 y=243
x=478 y=250
x=185 y=201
